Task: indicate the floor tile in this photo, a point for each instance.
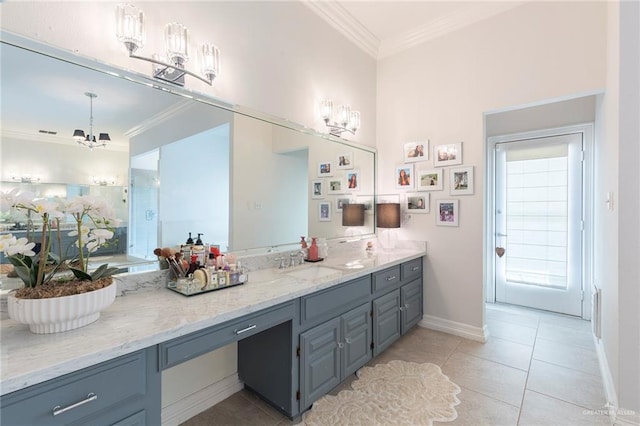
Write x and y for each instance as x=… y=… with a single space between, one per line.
x=505 y=352
x=512 y=332
x=538 y=409
x=565 y=321
x=478 y=409
x=253 y=398
x=235 y=410
x=570 y=356
x=503 y=383
x=525 y=320
x=566 y=384
x=566 y=335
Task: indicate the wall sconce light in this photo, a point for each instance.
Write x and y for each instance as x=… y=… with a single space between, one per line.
x=25 y=178
x=90 y=139
x=344 y=120
x=353 y=215
x=388 y=215
x=130 y=31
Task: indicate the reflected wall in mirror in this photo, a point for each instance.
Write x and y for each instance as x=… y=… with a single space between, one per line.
x=179 y=162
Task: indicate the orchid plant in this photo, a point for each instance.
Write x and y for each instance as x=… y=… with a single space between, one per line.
x=94 y=221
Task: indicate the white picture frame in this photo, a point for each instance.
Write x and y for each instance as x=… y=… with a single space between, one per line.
x=325 y=169
x=447 y=155
x=324 y=211
x=352 y=180
x=447 y=213
x=429 y=180
x=461 y=181
x=341 y=201
x=417 y=202
x=317 y=189
x=344 y=161
x=404 y=176
x=335 y=186
x=416 y=151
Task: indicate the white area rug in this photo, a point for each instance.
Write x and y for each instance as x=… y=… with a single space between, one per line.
x=397 y=393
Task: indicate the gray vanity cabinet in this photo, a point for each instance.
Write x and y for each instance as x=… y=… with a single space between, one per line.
x=411 y=304
x=124 y=391
x=386 y=321
x=332 y=351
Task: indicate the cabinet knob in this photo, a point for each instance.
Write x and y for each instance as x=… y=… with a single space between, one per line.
x=340 y=345
x=406 y=306
x=391 y=278
x=91 y=397
x=347 y=340
x=402 y=308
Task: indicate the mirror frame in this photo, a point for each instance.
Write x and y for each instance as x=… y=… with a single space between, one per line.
x=94 y=64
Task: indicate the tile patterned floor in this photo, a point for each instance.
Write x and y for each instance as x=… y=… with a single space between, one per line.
x=537 y=369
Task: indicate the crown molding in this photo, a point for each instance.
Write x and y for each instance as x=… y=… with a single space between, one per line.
x=340 y=19
x=159 y=118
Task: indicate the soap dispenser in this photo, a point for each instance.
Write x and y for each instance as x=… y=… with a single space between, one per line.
x=313 y=250
x=189 y=240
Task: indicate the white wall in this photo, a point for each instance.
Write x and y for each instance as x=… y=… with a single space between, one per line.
x=440 y=90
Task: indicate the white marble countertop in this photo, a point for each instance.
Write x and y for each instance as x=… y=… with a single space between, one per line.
x=137 y=320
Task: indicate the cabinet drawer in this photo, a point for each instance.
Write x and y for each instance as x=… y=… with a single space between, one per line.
x=411 y=269
x=80 y=396
x=195 y=344
x=386 y=280
x=334 y=301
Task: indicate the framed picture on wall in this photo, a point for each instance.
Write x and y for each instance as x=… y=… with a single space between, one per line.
x=416 y=151
x=335 y=186
x=324 y=211
x=325 y=169
x=429 y=180
x=353 y=180
x=404 y=176
x=340 y=202
x=417 y=202
x=317 y=189
x=461 y=181
x=345 y=161
x=447 y=212
x=447 y=155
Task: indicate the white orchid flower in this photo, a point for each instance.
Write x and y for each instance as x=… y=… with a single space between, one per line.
x=7 y=241
x=21 y=246
x=50 y=208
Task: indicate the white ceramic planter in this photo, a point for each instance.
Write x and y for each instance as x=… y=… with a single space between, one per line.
x=58 y=314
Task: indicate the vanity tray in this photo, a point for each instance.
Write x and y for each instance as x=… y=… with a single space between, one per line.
x=187 y=287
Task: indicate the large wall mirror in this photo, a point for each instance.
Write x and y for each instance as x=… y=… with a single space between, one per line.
x=177 y=163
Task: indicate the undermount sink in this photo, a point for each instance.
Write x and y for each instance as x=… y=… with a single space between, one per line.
x=313 y=273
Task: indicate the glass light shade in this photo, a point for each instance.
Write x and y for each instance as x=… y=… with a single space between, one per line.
x=176 y=38
x=388 y=215
x=326 y=109
x=344 y=115
x=353 y=215
x=354 y=121
x=210 y=60
x=78 y=135
x=130 y=26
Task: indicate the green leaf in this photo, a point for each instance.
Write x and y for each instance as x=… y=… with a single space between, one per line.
x=81 y=275
x=25 y=275
x=103 y=271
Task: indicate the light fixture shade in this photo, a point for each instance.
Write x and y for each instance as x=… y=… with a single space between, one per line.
x=210 y=60
x=326 y=110
x=78 y=135
x=354 y=121
x=353 y=215
x=388 y=215
x=130 y=26
x=176 y=39
x=104 y=137
x=344 y=115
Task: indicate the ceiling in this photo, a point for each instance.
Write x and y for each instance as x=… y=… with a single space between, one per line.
x=384 y=28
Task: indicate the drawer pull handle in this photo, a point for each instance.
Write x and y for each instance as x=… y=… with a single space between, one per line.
x=244 y=330
x=415 y=268
x=347 y=340
x=391 y=278
x=57 y=410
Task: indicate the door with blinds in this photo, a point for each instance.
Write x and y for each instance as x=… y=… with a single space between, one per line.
x=539 y=223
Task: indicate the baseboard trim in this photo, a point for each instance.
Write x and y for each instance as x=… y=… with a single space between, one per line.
x=456 y=328
x=182 y=410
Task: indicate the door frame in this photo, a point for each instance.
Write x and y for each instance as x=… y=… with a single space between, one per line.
x=587 y=131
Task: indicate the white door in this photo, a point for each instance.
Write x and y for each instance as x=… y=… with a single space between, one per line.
x=538 y=223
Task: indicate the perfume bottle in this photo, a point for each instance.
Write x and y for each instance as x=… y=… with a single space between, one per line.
x=313 y=250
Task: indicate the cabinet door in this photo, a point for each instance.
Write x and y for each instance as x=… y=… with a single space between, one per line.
x=356 y=334
x=386 y=321
x=411 y=304
x=320 y=361
x=137 y=419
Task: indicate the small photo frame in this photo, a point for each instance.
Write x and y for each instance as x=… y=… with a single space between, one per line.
x=416 y=151
x=461 y=181
x=324 y=211
x=317 y=189
x=404 y=176
x=341 y=202
x=429 y=180
x=335 y=186
x=352 y=180
x=345 y=161
x=417 y=202
x=325 y=169
x=447 y=212
x=447 y=155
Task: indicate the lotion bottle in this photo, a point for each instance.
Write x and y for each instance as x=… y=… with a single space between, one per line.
x=313 y=250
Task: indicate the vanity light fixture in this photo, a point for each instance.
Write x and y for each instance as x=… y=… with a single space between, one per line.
x=25 y=178
x=341 y=120
x=130 y=31
x=103 y=181
x=90 y=139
